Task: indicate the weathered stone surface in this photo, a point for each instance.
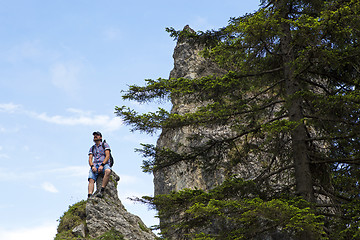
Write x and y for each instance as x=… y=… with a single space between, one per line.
x=188 y=63
x=79 y=231
x=104 y=214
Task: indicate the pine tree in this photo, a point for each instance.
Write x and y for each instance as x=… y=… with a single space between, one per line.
x=292 y=87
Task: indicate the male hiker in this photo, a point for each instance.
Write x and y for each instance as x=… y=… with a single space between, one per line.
x=99 y=155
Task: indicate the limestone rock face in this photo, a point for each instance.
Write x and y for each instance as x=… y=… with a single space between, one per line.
x=104 y=214
x=79 y=231
x=188 y=63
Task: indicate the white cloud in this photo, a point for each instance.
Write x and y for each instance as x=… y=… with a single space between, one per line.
x=72 y=171
x=82 y=118
x=79 y=111
x=49 y=187
x=44 y=232
x=79 y=117
x=9 y=107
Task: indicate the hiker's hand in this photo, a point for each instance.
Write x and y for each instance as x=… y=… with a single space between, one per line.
x=100 y=168
x=93 y=169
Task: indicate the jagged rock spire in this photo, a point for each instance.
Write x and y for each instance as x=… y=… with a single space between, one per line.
x=104 y=214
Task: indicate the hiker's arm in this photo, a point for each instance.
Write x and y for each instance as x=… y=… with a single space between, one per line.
x=91 y=161
x=107 y=156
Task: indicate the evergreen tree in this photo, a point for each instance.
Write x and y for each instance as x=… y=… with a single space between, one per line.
x=292 y=87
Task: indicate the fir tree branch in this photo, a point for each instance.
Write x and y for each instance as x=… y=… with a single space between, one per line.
x=261 y=178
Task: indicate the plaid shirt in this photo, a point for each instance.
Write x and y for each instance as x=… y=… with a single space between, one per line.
x=99 y=153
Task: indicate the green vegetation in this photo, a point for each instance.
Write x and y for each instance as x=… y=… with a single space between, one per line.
x=114 y=181
x=291 y=97
x=75 y=216
x=111 y=235
x=234 y=217
x=143 y=227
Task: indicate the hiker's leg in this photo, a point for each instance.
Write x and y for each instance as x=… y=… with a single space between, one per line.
x=106 y=178
x=92 y=179
x=91 y=186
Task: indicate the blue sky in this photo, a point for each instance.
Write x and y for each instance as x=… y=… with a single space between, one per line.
x=62 y=66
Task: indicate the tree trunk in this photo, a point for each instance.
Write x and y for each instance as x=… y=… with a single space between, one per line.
x=303 y=176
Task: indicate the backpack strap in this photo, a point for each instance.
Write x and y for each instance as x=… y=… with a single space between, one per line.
x=103 y=145
x=111 y=159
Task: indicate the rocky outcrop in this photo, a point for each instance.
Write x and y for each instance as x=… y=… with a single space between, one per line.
x=102 y=218
x=188 y=63
x=104 y=214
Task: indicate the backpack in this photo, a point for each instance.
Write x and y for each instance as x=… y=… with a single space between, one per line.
x=111 y=159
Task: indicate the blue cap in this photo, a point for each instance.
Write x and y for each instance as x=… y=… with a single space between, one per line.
x=97 y=133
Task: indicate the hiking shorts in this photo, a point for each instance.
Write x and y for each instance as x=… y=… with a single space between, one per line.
x=94 y=176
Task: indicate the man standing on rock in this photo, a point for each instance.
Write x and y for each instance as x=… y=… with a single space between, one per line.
x=99 y=155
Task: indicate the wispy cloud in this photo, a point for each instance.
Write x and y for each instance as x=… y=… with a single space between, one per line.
x=49 y=187
x=66 y=172
x=72 y=171
x=9 y=107
x=110 y=123
x=78 y=117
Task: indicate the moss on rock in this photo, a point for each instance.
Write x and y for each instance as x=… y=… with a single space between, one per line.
x=73 y=217
x=111 y=235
